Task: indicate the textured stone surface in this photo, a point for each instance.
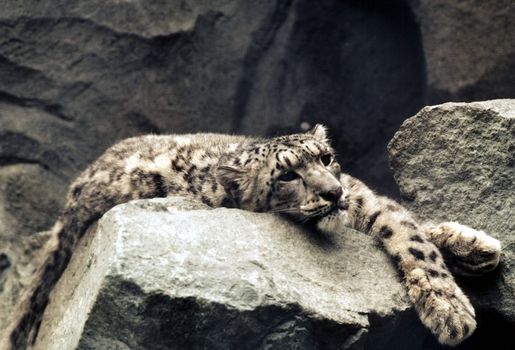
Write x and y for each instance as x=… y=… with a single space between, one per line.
x=170 y=273
x=468 y=48
x=19 y=257
x=456 y=161
x=76 y=76
x=28 y=193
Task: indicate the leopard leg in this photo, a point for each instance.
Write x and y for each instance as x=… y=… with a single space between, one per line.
x=439 y=301
x=468 y=251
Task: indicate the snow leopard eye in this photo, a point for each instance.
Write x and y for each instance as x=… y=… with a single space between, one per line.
x=289 y=176
x=326 y=159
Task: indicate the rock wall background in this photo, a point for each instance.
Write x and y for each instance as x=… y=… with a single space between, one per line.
x=76 y=76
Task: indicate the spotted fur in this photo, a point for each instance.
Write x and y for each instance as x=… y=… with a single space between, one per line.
x=293 y=174
x=417 y=250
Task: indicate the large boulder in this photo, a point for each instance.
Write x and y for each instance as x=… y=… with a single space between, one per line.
x=175 y=274
x=456 y=161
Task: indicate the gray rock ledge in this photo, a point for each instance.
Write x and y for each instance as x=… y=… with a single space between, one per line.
x=174 y=274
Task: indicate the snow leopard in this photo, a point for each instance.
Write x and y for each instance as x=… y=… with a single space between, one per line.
x=295 y=175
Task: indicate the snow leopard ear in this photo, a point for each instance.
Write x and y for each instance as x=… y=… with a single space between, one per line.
x=319 y=131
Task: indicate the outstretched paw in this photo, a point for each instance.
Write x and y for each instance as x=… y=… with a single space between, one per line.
x=442 y=306
x=470 y=252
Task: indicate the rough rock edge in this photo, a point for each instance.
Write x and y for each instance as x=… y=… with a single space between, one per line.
x=357 y=329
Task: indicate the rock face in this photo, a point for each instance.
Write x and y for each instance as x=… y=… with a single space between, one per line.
x=456 y=161
x=19 y=258
x=174 y=274
x=468 y=48
x=77 y=76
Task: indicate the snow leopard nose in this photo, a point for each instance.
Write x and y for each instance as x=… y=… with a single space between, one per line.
x=332 y=195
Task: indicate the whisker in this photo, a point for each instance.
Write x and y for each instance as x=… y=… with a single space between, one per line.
x=355 y=205
x=285 y=210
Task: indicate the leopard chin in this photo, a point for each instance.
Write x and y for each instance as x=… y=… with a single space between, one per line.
x=335 y=221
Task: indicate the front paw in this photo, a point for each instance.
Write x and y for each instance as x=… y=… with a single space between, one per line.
x=442 y=306
x=472 y=252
